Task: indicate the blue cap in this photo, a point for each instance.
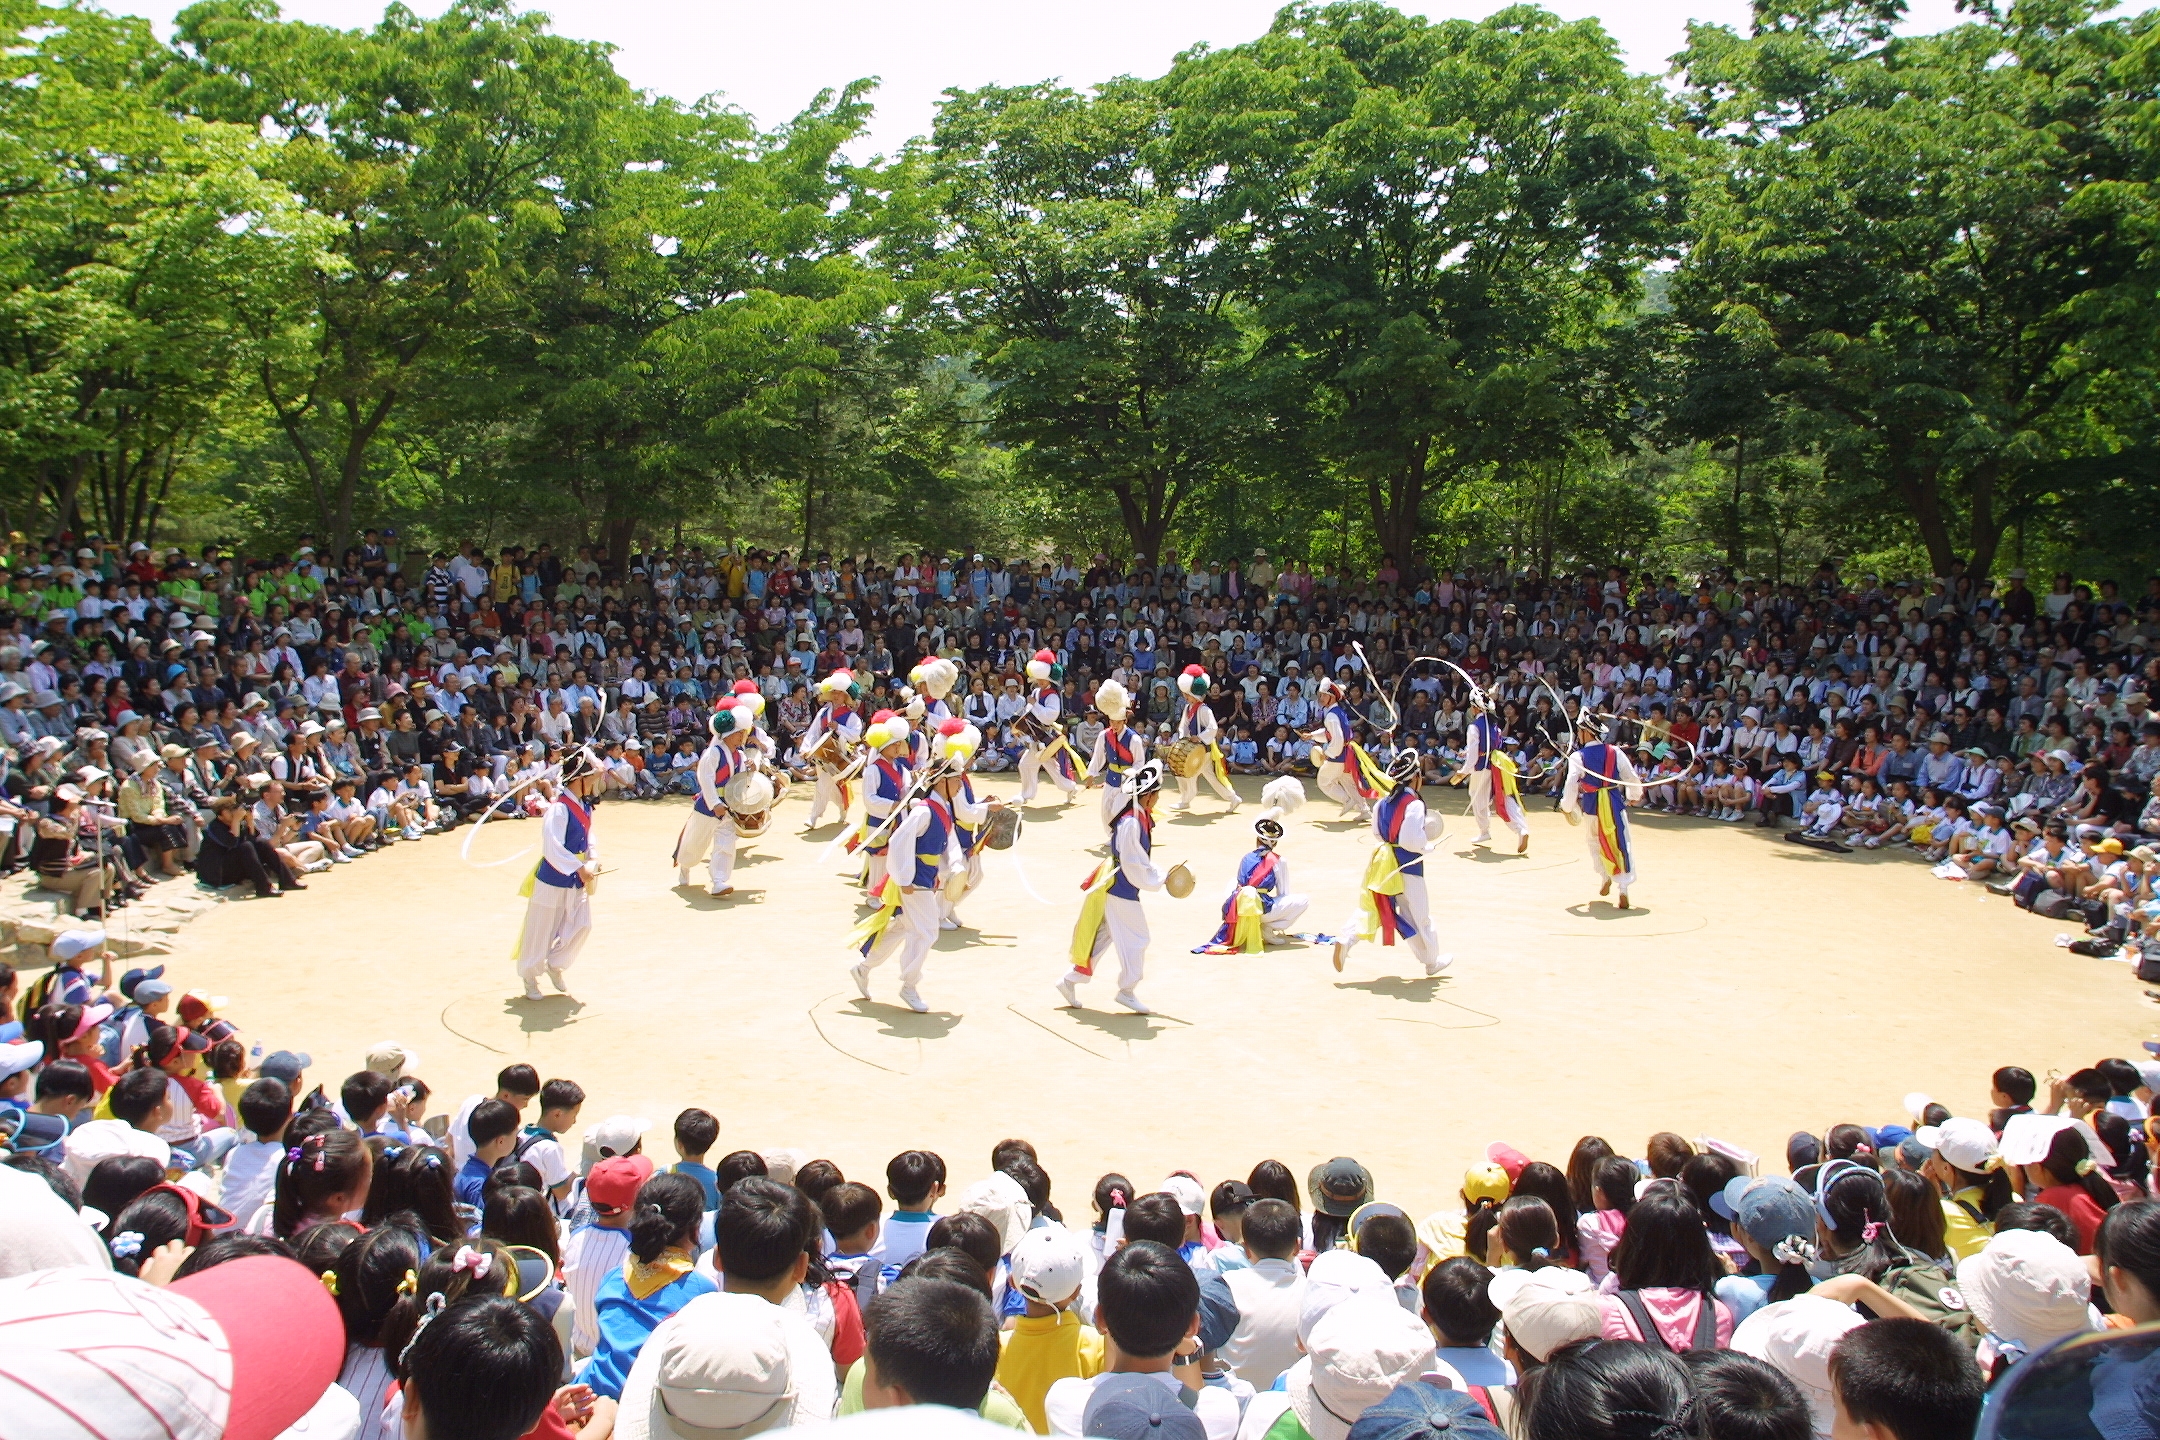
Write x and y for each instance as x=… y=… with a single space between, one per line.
x=1770 y=1209
x=1417 y=1410
x=135 y=977
x=285 y=1065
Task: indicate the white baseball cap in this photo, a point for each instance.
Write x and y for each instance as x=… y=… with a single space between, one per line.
x=14 y=1059
x=1191 y=1200
x=1966 y=1144
x=616 y=1135
x=2028 y=1288
x=726 y=1366
x=1334 y=1278
x=1796 y=1338
x=1548 y=1308
x=1048 y=1265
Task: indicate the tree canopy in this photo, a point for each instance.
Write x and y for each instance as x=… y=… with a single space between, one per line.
x=1422 y=291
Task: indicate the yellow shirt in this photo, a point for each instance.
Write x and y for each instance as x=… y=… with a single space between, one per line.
x=1961 y=1232
x=1040 y=1350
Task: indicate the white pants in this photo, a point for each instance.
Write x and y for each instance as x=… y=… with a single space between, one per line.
x=828 y=793
x=948 y=903
x=1032 y=763
x=1112 y=802
x=557 y=920
x=1481 y=806
x=1335 y=781
x=1188 y=786
x=908 y=936
x=702 y=833
x=1287 y=910
x=1414 y=907
x=1124 y=926
x=1621 y=878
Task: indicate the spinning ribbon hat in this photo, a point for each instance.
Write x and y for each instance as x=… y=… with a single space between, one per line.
x=1192 y=683
x=1115 y=701
x=1044 y=669
x=935 y=675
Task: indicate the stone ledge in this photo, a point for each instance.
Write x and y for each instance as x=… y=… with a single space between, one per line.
x=30 y=917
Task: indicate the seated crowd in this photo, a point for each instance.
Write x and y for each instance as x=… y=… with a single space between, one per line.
x=259 y=717
x=371 y=1262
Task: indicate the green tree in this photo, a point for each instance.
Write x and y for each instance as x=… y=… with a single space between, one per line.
x=1442 y=225
x=1909 y=242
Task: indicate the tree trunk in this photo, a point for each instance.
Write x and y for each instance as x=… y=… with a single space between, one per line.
x=1921 y=491
x=1986 y=527
x=1735 y=530
x=1396 y=506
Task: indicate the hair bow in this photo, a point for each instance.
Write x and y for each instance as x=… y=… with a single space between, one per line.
x=127 y=1244
x=410 y=1283
x=1794 y=1250
x=330 y=1282
x=469 y=1261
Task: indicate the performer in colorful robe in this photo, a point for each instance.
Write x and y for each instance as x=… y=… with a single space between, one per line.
x=961 y=742
x=558 y=907
x=1196 y=721
x=1260 y=906
x=1339 y=764
x=934 y=677
x=1489 y=771
x=1111 y=914
x=1599 y=784
x=1043 y=739
x=709 y=828
x=885 y=782
x=1392 y=899
x=1118 y=750
x=836 y=716
x=906 y=922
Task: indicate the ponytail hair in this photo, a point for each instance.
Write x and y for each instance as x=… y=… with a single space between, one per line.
x=665 y=1216
x=1112 y=1192
x=2129 y=1239
x=1855 y=1210
x=2069 y=1160
x=372 y=1274
x=330 y=1162
x=1529 y=1232
x=151 y=1219
x=1613 y=1179
x=452 y=1272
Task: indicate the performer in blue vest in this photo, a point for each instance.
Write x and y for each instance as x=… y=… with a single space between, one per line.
x=1600 y=782
x=558 y=914
x=885 y=782
x=1111 y=914
x=1196 y=721
x=1119 y=750
x=921 y=855
x=1042 y=738
x=1490 y=774
x=1260 y=906
x=836 y=716
x=1335 y=757
x=710 y=826
x=1391 y=898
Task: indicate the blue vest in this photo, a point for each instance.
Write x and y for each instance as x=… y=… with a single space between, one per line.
x=1348 y=722
x=1488 y=740
x=1189 y=722
x=1121 y=887
x=930 y=845
x=1262 y=863
x=967 y=835
x=1601 y=771
x=1117 y=752
x=577 y=839
x=722 y=773
x=1388 y=822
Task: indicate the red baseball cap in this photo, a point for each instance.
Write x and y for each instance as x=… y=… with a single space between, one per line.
x=1508 y=1158
x=612 y=1185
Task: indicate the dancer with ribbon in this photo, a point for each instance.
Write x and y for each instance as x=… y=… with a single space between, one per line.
x=923 y=845
x=1391 y=898
x=1343 y=769
x=1260 y=907
x=1111 y=914
x=1119 y=750
x=885 y=784
x=1600 y=781
x=558 y=906
x=829 y=742
x=1196 y=723
x=710 y=826
x=1490 y=772
x=1042 y=737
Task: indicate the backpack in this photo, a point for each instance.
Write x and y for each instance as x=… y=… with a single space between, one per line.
x=2148 y=960
x=2051 y=905
x=1705 y=1336
x=1923 y=1285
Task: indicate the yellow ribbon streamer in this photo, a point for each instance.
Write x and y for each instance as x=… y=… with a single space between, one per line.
x=1091 y=918
x=1383 y=876
x=1250 y=937
x=873 y=925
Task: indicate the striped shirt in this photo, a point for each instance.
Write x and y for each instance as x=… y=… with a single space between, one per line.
x=592 y=1254
x=366 y=1376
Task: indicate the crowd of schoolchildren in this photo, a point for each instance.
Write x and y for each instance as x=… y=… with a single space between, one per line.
x=198 y=1238
x=261 y=717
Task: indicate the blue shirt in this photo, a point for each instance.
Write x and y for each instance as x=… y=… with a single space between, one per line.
x=626 y=1323
x=470 y=1177
x=707 y=1181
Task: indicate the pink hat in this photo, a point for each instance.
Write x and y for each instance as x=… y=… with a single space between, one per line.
x=1508 y=1158
x=236 y=1352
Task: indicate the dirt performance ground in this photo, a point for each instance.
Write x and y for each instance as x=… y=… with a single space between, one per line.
x=1759 y=987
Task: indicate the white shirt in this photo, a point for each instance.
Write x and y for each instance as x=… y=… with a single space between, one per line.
x=1265 y=1342
x=590 y=1256
x=1217 y=1409
x=250 y=1172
